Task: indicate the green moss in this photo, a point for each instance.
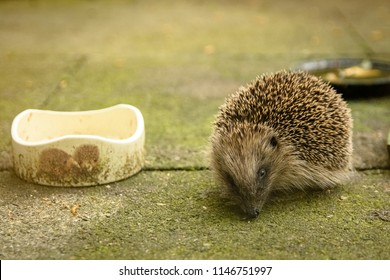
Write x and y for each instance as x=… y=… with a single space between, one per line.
x=371 y=115
x=181 y=215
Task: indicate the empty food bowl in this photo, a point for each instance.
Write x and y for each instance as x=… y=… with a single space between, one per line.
x=78 y=148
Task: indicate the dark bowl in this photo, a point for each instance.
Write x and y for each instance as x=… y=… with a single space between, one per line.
x=352 y=77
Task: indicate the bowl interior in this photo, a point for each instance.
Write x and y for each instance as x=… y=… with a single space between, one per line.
x=116 y=123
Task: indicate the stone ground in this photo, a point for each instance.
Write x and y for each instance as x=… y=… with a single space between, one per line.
x=177 y=61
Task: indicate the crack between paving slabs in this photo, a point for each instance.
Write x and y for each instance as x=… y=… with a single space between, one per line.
x=72 y=72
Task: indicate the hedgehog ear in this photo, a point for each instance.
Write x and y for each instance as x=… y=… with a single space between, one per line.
x=273 y=142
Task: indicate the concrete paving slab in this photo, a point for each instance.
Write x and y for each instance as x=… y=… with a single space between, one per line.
x=151 y=63
x=182 y=215
x=370 y=29
x=26 y=82
x=239 y=27
x=176 y=62
x=179 y=110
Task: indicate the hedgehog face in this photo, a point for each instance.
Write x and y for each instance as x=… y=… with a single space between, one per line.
x=244 y=161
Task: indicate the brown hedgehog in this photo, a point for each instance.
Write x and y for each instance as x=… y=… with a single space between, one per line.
x=284 y=130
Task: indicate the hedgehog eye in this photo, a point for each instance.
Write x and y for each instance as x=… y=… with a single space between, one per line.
x=273 y=141
x=261 y=173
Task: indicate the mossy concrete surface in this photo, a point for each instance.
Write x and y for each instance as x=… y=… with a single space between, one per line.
x=177 y=61
x=181 y=215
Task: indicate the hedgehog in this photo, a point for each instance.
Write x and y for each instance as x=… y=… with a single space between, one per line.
x=284 y=130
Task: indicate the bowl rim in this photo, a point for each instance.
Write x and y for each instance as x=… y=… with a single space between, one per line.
x=139 y=131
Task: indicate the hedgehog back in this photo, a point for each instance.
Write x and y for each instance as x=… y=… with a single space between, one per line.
x=304 y=111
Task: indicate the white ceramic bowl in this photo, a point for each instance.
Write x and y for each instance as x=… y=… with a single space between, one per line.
x=78 y=148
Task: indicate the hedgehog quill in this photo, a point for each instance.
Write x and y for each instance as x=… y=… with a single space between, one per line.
x=286 y=130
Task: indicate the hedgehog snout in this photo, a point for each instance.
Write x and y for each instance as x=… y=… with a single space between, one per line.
x=253 y=213
x=253 y=202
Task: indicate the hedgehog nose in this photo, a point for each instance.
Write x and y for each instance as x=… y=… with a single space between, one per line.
x=253 y=213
